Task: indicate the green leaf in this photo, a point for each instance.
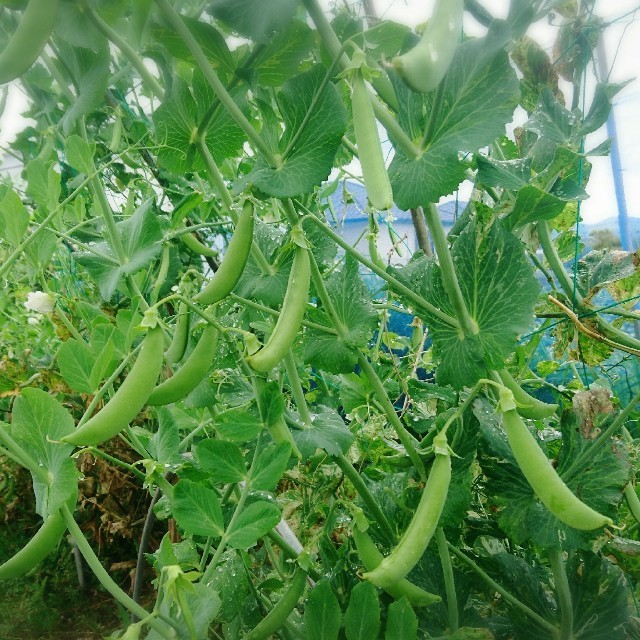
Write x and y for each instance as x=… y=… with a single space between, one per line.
x=39 y=422
x=76 y=362
x=480 y=93
x=600 y=108
x=603 y=267
x=402 y=623
x=43 y=184
x=328 y=433
x=252 y=524
x=141 y=237
x=232 y=585
x=310 y=160
x=322 y=615
x=255 y=21
x=533 y=204
x=237 y=425
x=270 y=466
x=164 y=445
x=197 y=509
x=223 y=460
x=352 y=303
x=79 y=153
x=506 y=174
x=362 y=618
x=14 y=218
x=271 y=402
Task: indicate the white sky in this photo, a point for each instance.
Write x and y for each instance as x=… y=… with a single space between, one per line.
x=622 y=45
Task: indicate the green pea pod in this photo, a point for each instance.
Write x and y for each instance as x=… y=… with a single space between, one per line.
x=416 y=538
x=371 y=559
x=281 y=611
x=291 y=315
x=191 y=242
x=36 y=550
x=424 y=66
x=189 y=375
x=632 y=501
x=234 y=261
x=544 y=479
x=178 y=345
x=129 y=399
x=28 y=40
x=527 y=405
x=374 y=173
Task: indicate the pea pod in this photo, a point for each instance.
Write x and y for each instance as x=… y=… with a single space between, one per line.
x=189 y=375
x=416 y=538
x=191 y=242
x=234 y=261
x=28 y=40
x=544 y=479
x=129 y=399
x=632 y=501
x=374 y=173
x=280 y=612
x=424 y=66
x=178 y=345
x=527 y=405
x=371 y=559
x=291 y=315
x=37 y=549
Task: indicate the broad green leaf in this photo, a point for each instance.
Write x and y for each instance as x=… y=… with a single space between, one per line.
x=270 y=466
x=237 y=425
x=232 y=585
x=197 y=509
x=600 y=108
x=204 y=602
x=507 y=174
x=255 y=21
x=164 y=445
x=14 y=218
x=352 y=303
x=253 y=523
x=480 y=93
x=39 y=422
x=328 y=433
x=271 y=402
x=362 y=617
x=533 y=204
x=322 y=615
x=105 y=340
x=222 y=459
x=310 y=159
x=402 y=623
x=76 y=362
x=43 y=184
x=79 y=153
x=603 y=267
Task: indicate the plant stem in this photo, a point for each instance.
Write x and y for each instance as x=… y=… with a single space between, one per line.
x=511 y=599
x=68 y=324
x=449 y=581
x=367 y=497
x=19 y=455
x=107 y=581
x=219 y=89
x=296 y=388
x=94 y=451
x=407 y=440
x=564 y=595
x=422 y=233
x=449 y=276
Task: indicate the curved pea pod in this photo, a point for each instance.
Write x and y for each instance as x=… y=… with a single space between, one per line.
x=632 y=501
x=189 y=375
x=544 y=479
x=178 y=346
x=281 y=611
x=527 y=405
x=371 y=559
x=234 y=261
x=416 y=538
x=28 y=40
x=129 y=399
x=424 y=66
x=374 y=173
x=36 y=550
x=291 y=315
x=191 y=242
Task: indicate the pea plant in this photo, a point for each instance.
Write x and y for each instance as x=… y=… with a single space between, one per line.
x=330 y=443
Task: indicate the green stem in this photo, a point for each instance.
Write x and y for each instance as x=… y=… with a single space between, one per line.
x=564 y=595
x=116 y=461
x=107 y=581
x=406 y=439
x=449 y=277
x=296 y=388
x=508 y=597
x=219 y=89
x=68 y=325
x=23 y=458
x=136 y=62
x=367 y=497
x=162 y=274
x=397 y=286
x=449 y=582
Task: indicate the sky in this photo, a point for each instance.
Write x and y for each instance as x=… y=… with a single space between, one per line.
x=622 y=50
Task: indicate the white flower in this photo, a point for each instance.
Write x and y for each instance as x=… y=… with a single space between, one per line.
x=40 y=302
x=34 y=321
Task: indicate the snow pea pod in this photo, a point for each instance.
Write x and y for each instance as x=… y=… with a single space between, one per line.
x=129 y=399
x=178 y=346
x=527 y=405
x=191 y=242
